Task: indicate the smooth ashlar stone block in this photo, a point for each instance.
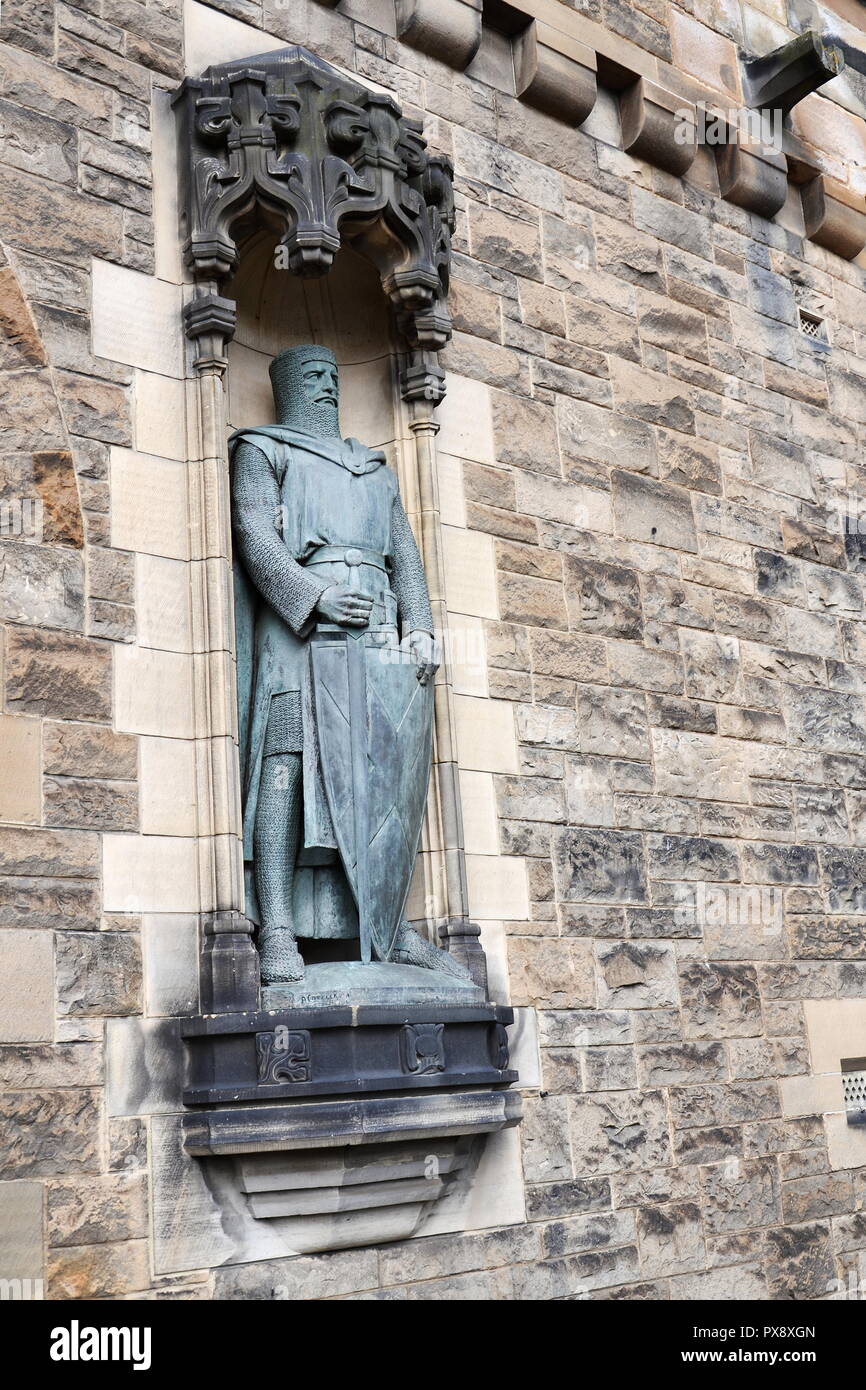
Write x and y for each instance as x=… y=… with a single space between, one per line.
x=478 y=803
x=470 y=573
x=497 y=887
x=149 y=504
x=163 y=616
x=159 y=416
x=151 y=873
x=136 y=319
x=467 y=648
x=488 y=1191
x=144 y=1066
x=26 y=986
x=167 y=787
x=21 y=1230
x=153 y=692
x=20 y=759
x=452 y=501
x=523 y=1046
x=168 y=254
x=171 y=963
x=209 y=36
x=486 y=740
x=836 y=1029
x=466 y=421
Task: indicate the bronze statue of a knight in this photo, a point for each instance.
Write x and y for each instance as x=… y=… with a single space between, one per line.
x=336 y=659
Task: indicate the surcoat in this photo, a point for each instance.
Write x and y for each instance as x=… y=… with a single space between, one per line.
x=301 y=505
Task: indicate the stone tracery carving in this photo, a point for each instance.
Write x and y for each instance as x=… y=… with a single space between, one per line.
x=287 y=136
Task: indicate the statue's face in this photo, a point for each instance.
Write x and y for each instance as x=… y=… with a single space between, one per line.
x=321 y=382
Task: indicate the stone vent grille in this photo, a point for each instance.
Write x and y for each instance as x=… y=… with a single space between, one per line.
x=812 y=326
x=854 y=1089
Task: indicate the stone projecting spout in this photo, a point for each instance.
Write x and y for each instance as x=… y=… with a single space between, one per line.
x=781 y=79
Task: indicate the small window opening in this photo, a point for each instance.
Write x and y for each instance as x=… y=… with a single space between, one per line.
x=811 y=326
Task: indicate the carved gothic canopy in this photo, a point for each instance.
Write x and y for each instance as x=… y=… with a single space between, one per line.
x=287 y=139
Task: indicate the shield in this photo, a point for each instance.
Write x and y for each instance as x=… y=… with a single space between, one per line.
x=374 y=722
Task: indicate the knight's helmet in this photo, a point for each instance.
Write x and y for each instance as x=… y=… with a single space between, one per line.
x=294 y=407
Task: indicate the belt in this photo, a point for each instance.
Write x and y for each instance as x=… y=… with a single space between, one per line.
x=351 y=555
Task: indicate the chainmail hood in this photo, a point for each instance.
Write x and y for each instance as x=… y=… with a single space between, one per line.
x=294 y=407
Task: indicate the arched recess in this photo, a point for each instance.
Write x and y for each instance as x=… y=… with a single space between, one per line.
x=347 y=312
x=283 y=153
x=344 y=310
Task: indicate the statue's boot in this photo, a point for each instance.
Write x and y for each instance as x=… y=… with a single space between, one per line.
x=410 y=948
x=282 y=962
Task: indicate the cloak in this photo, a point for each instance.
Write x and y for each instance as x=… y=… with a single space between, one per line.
x=308 y=491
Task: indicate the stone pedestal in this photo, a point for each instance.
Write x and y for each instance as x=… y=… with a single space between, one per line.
x=337 y=1111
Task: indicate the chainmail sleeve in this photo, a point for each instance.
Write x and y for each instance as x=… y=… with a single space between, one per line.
x=407 y=573
x=290 y=590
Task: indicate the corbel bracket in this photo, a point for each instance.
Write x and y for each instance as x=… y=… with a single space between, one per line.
x=834 y=216
x=562 y=85
x=751 y=175
x=449 y=30
x=658 y=126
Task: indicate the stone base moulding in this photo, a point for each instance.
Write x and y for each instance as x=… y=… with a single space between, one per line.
x=334 y=1124
x=406 y=1098
x=344 y=1051
x=379 y=1164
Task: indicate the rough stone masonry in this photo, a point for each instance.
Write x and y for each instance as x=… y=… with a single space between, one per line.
x=657 y=477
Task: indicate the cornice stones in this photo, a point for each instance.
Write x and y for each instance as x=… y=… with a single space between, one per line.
x=556 y=72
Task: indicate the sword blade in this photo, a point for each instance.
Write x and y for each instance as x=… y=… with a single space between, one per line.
x=357 y=673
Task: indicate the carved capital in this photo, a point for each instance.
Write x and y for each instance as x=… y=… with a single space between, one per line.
x=210 y=321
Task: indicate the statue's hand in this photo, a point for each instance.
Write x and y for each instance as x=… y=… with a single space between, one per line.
x=426 y=655
x=340 y=604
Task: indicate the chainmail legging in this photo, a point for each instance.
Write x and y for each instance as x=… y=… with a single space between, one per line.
x=275 y=837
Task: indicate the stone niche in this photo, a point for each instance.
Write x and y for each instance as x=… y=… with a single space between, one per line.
x=316 y=1117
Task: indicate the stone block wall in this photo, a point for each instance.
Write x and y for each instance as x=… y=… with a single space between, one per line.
x=650 y=482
